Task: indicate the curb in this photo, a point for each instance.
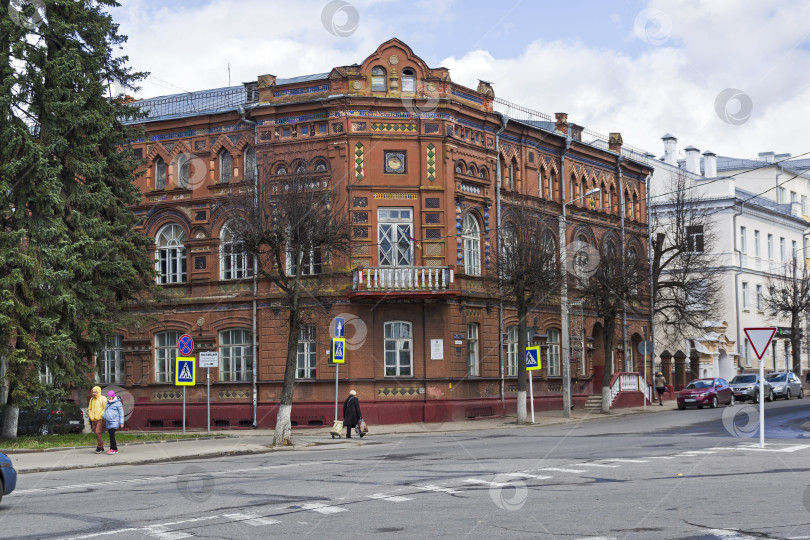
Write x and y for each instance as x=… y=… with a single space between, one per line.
x=11 y=451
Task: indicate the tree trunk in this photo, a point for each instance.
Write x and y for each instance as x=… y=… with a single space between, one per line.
x=607 y=339
x=520 y=358
x=10 y=418
x=283 y=432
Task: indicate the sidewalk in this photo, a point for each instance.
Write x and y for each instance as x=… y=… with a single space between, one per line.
x=231 y=443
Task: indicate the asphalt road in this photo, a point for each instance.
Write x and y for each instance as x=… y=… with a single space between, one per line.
x=676 y=474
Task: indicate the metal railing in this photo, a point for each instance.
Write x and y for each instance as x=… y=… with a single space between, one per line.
x=628 y=382
x=406 y=278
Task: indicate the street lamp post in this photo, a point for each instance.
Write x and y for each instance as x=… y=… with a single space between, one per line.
x=565 y=352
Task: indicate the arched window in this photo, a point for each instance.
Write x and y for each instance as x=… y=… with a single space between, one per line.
x=612 y=200
x=552 y=179
x=320 y=166
x=183 y=171
x=540 y=186
x=471 y=236
x=483 y=173
x=572 y=193
x=583 y=264
x=160 y=173
x=281 y=170
x=378 y=82
x=600 y=197
x=408 y=80
x=234 y=262
x=170 y=254
x=548 y=250
x=165 y=354
x=225 y=166
x=235 y=355
x=628 y=205
x=300 y=167
x=398 y=349
x=251 y=170
x=583 y=189
x=511 y=177
x=471 y=170
x=636 y=208
x=633 y=271
x=460 y=167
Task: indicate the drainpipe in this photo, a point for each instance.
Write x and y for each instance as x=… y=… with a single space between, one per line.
x=504 y=120
x=652 y=292
x=737 y=283
x=624 y=296
x=254 y=347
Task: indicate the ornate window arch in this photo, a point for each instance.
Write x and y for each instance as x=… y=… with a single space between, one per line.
x=461 y=167
x=170 y=254
x=472 y=170
x=483 y=173
x=471 y=238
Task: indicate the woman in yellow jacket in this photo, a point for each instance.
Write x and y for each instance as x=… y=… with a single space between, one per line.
x=95 y=410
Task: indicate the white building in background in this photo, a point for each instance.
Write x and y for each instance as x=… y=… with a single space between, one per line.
x=759 y=209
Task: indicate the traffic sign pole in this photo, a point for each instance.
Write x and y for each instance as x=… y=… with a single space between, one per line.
x=760 y=339
x=208 y=395
x=531 y=395
x=184 y=410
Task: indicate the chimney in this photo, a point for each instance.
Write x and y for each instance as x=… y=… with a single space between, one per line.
x=709 y=164
x=561 y=123
x=692 y=159
x=670 y=149
x=766 y=156
x=615 y=142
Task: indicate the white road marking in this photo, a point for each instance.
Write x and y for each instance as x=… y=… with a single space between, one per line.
x=597 y=465
x=322 y=508
x=660 y=457
x=768 y=448
x=437 y=489
x=254 y=520
x=525 y=475
x=159 y=530
x=485 y=482
x=687 y=452
x=598 y=538
x=558 y=469
x=163 y=533
x=392 y=498
x=730 y=534
x=623 y=460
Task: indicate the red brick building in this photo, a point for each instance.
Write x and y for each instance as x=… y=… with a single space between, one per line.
x=415 y=157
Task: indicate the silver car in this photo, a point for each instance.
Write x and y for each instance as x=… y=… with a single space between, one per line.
x=746 y=387
x=785 y=384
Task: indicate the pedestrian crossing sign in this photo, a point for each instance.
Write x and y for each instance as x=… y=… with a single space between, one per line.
x=533 y=358
x=338 y=350
x=184 y=371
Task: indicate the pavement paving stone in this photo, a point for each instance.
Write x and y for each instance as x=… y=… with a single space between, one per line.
x=228 y=443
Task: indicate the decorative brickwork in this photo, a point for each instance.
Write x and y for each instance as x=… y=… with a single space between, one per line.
x=358 y=161
x=398 y=392
x=431 y=162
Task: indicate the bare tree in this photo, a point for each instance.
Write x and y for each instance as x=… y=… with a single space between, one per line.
x=614 y=286
x=293 y=224
x=528 y=273
x=789 y=298
x=686 y=286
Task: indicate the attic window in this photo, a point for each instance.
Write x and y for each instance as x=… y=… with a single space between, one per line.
x=408 y=80
x=378 y=80
x=251 y=92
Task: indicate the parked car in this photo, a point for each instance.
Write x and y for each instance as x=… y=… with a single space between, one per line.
x=785 y=384
x=746 y=387
x=58 y=417
x=8 y=476
x=705 y=392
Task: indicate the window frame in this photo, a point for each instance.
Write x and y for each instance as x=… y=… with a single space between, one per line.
x=379 y=82
x=408 y=78
x=160 y=173
x=396 y=255
x=471 y=245
x=473 y=350
x=511 y=343
x=552 y=352
x=225 y=166
x=394 y=344
x=244 y=357
x=307 y=353
x=233 y=262
x=172 y=254
x=165 y=354
x=110 y=361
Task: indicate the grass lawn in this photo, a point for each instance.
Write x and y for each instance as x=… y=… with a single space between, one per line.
x=25 y=442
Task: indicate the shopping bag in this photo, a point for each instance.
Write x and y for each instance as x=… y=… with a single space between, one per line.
x=361 y=426
x=336 y=429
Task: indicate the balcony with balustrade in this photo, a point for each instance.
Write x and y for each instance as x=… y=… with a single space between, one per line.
x=394 y=282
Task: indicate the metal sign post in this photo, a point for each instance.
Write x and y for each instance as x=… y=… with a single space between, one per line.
x=532 y=363
x=207 y=361
x=760 y=339
x=184 y=375
x=646 y=347
x=338 y=357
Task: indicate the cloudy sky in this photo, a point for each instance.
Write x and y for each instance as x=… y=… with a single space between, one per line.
x=729 y=76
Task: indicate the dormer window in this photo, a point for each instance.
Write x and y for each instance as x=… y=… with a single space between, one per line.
x=378 y=83
x=408 y=80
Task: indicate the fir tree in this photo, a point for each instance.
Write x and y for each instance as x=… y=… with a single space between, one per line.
x=71 y=260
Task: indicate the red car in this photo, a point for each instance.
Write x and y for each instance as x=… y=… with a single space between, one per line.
x=705 y=392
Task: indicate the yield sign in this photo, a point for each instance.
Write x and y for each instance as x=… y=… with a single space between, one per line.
x=760 y=338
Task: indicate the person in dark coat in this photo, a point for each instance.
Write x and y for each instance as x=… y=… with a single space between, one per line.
x=351 y=413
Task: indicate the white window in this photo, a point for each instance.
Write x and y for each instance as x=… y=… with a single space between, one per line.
x=511 y=177
x=696 y=297
x=553 y=354
x=770 y=247
x=250 y=163
x=694 y=238
x=183 y=171
x=511 y=351
x=745 y=295
x=742 y=240
x=782 y=254
x=160 y=173
x=170 y=254
x=378 y=83
x=793 y=247
x=759 y=297
x=747 y=354
x=408 y=80
x=111 y=360
x=234 y=262
x=398 y=349
x=781 y=195
x=45 y=376
x=756 y=243
x=793 y=197
x=235 y=355
x=225 y=166
x=311 y=258
x=472 y=349
x=165 y=354
x=471 y=235
x=307 y=356
x=395 y=234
